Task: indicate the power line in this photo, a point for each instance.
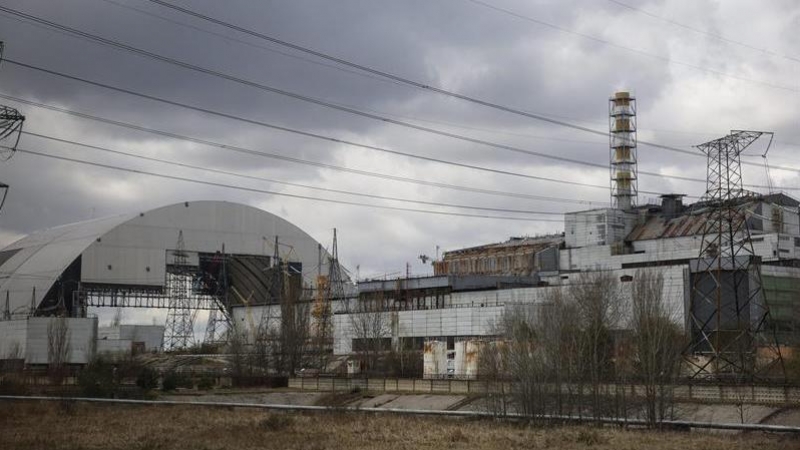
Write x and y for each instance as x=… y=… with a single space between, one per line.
x=425 y=86
x=265 y=191
x=365 y=146
x=703 y=32
x=377 y=78
x=456 y=136
x=382 y=79
x=287 y=183
x=328 y=104
x=303 y=161
x=622 y=47
x=345 y=108
x=294 y=56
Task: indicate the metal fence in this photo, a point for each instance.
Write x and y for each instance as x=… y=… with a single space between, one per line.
x=751 y=394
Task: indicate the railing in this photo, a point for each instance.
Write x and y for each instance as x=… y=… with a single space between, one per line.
x=750 y=394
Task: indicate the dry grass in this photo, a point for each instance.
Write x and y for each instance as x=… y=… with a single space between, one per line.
x=30 y=425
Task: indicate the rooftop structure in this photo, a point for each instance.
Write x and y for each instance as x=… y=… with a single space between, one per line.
x=518 y=256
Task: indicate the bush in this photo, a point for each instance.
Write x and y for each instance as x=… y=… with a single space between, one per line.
x=206 y=383
x=12 y=386
x=97 y=379
x=147 y=379
x=174 y=380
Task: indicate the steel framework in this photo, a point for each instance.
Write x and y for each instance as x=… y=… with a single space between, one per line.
x=179 y=331
x=137 y=297
x=219 y=318
x=623 y=150
x=10 y=131
x=729 y=319
x=10 y=124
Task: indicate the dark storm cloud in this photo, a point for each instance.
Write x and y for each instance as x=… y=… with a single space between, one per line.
x=456 y=44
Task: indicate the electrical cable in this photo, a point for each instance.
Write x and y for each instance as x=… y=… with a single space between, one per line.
x=269 y=180
x=704 y=32
x=303 y=161
x=622 y=47
x=255 y=122
x=280 y=128
x=331 y=105
x=377 y=78
x=269 y=192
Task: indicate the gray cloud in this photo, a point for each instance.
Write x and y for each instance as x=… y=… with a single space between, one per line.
x=453 y=43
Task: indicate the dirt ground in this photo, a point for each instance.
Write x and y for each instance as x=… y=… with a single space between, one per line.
x=34 y=425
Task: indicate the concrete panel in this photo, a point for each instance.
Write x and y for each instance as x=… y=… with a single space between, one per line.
x=13 y=336
x=82 y=334
x=115 y=346
x=405 y=385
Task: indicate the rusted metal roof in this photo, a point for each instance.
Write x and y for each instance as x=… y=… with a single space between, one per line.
x=535 y=243
x=658 y=227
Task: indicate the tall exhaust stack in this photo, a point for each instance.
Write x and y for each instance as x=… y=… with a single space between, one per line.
x=622 y=143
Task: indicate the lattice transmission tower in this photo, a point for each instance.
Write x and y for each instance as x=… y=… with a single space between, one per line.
x=10 y=132
x=219 y=320
x=732 y=336
x=179 y=332
x=330 y=287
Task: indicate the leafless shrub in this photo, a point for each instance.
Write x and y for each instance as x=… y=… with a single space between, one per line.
x=657 y=344
x=371 y=325
x=57 y=348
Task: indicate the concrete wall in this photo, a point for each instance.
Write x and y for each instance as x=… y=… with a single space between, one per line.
x=13 y=337
x=151 y=335
x=473 y=314
x=595 y=227
x=82 y=334
x=114 y=346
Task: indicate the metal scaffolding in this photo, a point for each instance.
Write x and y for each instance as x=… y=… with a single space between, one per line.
x=622 y=144
x=729 y=320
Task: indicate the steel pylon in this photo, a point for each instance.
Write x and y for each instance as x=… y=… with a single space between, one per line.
x=731 y=334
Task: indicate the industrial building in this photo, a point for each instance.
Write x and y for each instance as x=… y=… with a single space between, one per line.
x=449 y=311
x=449 y=316
x=130 y=261
x=242 y=264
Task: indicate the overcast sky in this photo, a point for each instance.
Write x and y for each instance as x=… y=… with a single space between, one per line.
x=698 y=69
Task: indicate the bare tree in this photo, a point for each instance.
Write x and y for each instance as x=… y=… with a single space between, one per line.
x=597 y=300
x=657 y=344
x=57 y=347
x=522 y=359
x=371 y=326
x=492 y=369
x=560 y=342
x=292 y=341
x=237 y=349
